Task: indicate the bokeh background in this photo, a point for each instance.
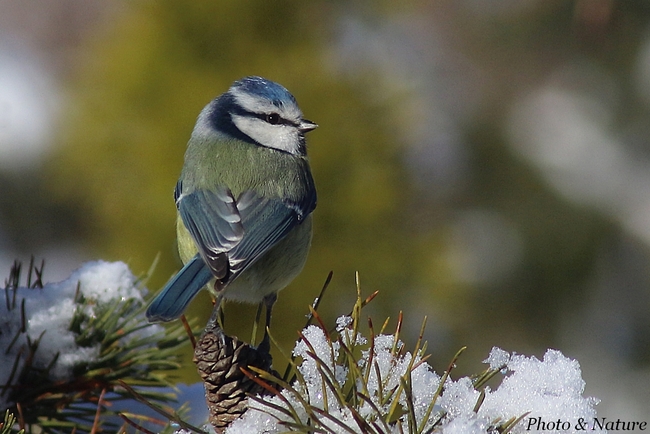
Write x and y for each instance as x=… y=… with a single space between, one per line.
x=485 y=163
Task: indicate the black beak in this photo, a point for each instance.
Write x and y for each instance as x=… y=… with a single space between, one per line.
x=306 y=126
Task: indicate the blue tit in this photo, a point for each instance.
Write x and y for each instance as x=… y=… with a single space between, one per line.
x=244 y=200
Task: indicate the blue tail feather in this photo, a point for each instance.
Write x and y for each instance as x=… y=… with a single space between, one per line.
x=179 y=291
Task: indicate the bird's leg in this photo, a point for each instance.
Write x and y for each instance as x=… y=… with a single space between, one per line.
x=215 y=320
x=269 y=301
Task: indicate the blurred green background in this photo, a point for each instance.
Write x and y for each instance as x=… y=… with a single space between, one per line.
x=483 y=163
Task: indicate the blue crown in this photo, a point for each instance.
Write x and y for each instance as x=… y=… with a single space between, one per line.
x=266 y=89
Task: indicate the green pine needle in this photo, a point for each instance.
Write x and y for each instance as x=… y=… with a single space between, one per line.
x=128 y=356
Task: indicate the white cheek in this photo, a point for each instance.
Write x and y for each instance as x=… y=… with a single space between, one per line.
x=285 y=140
x=279 y=137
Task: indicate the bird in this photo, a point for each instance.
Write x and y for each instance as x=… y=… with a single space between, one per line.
x=244 y=200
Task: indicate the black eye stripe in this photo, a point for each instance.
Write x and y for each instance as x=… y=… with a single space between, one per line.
x=221 y=118
x=273 y=118
x=238 y=110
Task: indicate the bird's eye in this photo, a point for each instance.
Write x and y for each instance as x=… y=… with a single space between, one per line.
x=273 y=118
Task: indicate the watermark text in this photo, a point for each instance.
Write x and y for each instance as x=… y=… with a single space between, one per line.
x=582 y=424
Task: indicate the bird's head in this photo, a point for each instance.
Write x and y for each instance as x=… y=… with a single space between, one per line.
x=259 y=111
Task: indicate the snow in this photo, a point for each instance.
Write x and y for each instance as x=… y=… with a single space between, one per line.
x=328 y=353
x=498 y=358
x=550 y=389
x=343 y=322
x=49 y=312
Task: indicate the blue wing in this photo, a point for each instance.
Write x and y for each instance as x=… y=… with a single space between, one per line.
x=264 y=222
x=230 y=236
x=214 y=222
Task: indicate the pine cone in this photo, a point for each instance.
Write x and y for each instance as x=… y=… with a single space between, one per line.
x=218 y=358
